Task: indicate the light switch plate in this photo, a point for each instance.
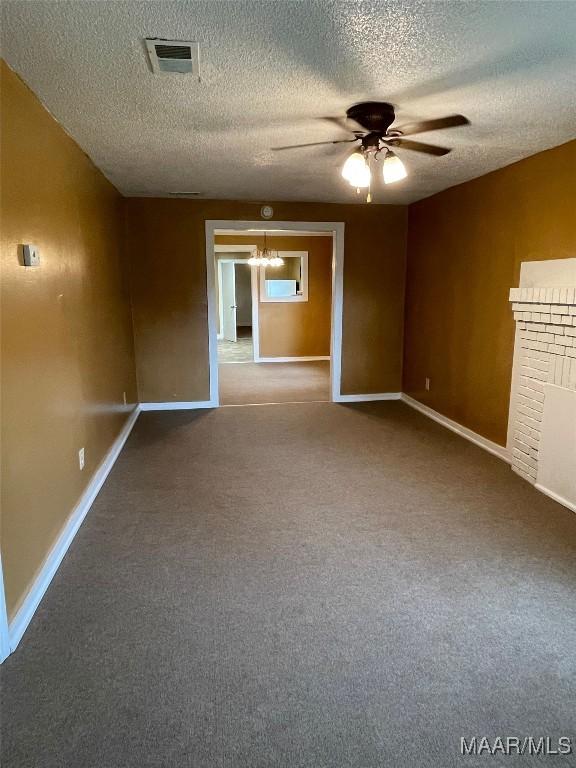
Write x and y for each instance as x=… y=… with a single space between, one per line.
x=30 y=255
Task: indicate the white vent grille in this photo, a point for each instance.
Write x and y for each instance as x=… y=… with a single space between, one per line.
x=173 y=56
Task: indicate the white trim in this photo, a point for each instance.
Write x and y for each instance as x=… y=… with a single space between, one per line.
x=224 y=227
x=255 y=316
x=271 y=232
x=287 y=402
x=234 y=249
x=191 y=405
x=556 y=497
x=474 y=437
x=4 y=632
x=24 y=614
x=369 y=397
x=292 y=359
x=211 y=309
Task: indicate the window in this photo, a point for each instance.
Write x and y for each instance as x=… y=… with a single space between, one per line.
x=288 y=282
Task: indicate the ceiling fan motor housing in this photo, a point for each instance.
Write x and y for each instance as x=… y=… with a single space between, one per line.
x=375 y=116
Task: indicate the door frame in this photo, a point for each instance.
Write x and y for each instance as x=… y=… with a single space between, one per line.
x=254 y=291
x=222 y=226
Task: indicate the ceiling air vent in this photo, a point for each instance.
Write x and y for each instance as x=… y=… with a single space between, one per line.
x=173 y=56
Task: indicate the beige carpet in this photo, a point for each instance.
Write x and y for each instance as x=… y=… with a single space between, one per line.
x=274 y=382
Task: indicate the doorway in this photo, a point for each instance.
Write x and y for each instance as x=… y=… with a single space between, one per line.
x=235 y=337
x=283 y=343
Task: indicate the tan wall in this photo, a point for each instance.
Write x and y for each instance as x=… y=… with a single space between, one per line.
x=465 y=248
x=166 y=242
x=296 y=329
x=67 y=352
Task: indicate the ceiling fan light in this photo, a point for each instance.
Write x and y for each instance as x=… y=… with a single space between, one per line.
x=393 y=168
x=355 y=170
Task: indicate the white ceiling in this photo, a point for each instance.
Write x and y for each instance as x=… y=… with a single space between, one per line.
x=270 y=67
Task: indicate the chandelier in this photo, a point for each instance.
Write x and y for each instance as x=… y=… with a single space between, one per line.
x=265 y=257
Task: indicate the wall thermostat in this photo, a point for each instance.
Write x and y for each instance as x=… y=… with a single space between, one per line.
x=30 y=255
x=266 y=211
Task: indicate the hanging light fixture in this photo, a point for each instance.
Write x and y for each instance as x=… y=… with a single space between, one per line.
x=393 y=169
x=356 y=171
x=265 y=257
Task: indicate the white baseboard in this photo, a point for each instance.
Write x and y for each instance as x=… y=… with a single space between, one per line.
x=556 y=497
x=4 y=633
x=368 y=397
x=290 y=359
x=474 y=437
x=191 y=405
x=23 y=616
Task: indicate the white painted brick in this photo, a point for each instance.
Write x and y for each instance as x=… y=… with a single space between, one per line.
x=514 y=294
x=536 y=354
x=532 y=362
x=527 y=440
x=528 y=431
x=563 y=296
x=571 y=351
x=555 y=295
x=570 y=331
x=529 y=422
x=569 y=341
x=531 y=393
x=523 y=458
x=547 y=337
x=557 y=349
x=572 y=374
x=535 y=384
x=524 y=475
x=556 y=318
x=557 y=374
x=533 y=373
x=545 y=317
x=534 y=405
x=535 y=326
x=567 y=320
x=530 y=453
x=572 y=310
x=566 y=372
x=571 y=295
x=530 y=413
x=526 y=316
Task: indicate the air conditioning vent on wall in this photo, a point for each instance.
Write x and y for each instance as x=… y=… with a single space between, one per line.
x=173 y=56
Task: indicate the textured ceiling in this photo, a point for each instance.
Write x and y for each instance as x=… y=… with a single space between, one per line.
x=269 y=68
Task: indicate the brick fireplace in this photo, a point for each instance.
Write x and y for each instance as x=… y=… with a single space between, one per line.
x=544 y=369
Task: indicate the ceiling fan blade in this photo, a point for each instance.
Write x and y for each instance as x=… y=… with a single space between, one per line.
x=450 y=121
x=345 y=123
x=419 y=146
x=313 y=144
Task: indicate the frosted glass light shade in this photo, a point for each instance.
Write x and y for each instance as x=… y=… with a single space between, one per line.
x=356 y=171
x=393 y=169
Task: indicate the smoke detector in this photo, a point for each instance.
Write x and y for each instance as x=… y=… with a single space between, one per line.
x=173 y=56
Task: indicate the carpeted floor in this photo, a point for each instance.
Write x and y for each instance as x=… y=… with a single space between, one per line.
x=240 y=351
x=274 y=382
x=300 y=586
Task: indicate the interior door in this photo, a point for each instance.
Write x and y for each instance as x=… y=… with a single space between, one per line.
x=228 y=301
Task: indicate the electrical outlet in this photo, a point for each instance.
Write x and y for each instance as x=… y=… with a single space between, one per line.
x=124 y=396
x=30 y=255
x=81 y=458
x=427 y=384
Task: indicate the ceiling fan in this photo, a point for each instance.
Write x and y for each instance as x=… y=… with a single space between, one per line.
x=374 y=118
